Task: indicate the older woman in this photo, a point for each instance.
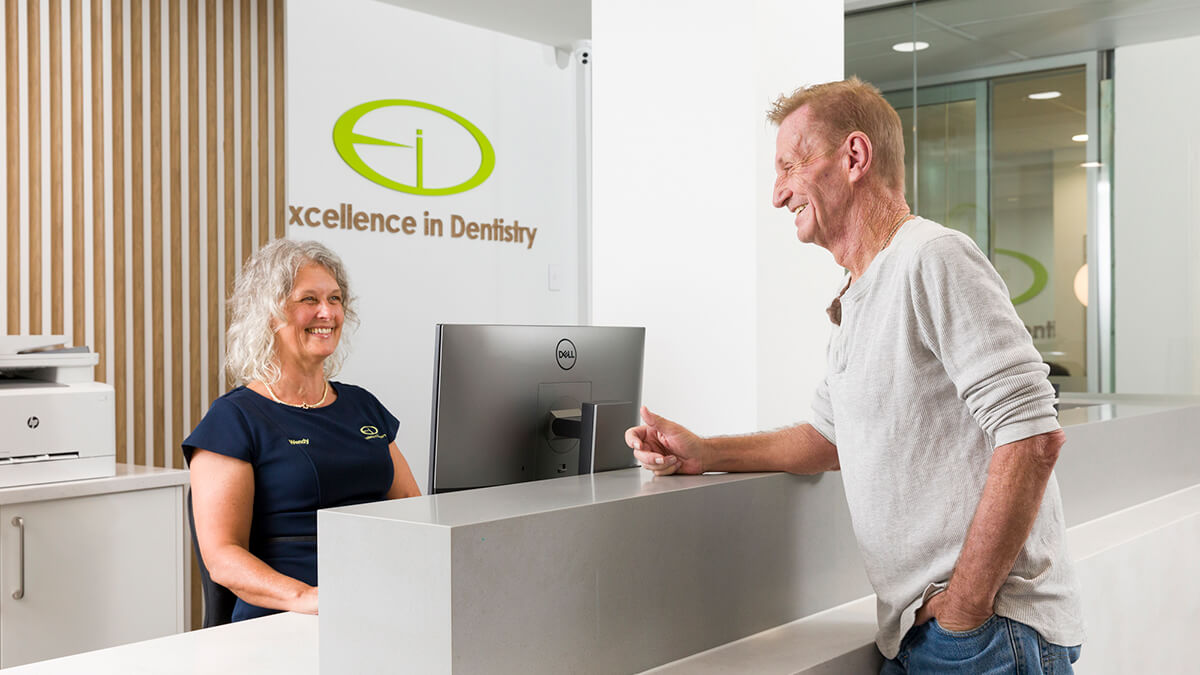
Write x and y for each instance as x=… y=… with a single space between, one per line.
x=289 y=441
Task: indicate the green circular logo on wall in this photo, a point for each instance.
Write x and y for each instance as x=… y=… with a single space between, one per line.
x=346 y=140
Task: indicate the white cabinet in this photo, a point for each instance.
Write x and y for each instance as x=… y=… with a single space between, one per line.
x=91 y=571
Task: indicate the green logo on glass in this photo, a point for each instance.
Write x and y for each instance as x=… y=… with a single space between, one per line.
x=345 y=139
x=1040 y=276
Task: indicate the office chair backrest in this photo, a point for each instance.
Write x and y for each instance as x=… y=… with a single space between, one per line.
x=218 y=600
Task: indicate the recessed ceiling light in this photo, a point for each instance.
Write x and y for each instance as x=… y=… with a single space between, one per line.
x=910 y=46
x=1045 y=95
x=1091 y=165
x=1079 y=138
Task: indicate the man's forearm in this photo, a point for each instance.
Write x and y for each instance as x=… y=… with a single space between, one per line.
x=1012 y=496
x=799 y=449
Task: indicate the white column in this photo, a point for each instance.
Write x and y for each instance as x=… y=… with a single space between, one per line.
x=1156 y=225
x=685 y=239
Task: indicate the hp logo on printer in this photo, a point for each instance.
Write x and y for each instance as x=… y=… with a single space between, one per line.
x=565 y=353
x=33 y=422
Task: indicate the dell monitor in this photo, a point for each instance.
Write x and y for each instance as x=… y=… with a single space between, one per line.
x=520 y=403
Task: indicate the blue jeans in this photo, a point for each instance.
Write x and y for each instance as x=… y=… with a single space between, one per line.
x=1000 y=645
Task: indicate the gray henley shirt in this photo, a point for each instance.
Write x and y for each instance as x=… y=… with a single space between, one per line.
x=930 y=370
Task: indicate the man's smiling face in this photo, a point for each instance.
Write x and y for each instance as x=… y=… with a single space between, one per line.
x=807 y=178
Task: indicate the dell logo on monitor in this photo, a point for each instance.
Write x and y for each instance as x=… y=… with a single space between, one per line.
x=565 y=352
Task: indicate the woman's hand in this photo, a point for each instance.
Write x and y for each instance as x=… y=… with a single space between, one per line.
x=306 y=603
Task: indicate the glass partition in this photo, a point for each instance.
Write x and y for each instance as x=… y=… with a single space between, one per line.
x=1040 y=208
x=948 y=175
x=1006 y=153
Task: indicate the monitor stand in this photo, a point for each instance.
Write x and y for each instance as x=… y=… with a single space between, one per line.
x=600 y=427
x=557 y=455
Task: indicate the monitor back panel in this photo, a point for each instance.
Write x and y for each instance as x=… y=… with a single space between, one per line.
x=494 y=386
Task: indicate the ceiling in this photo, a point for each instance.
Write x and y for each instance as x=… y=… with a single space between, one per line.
x=1021 y=125
x=962 y=33
x=966 y=34
x=554 y=22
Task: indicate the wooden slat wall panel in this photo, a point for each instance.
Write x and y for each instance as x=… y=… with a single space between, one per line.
x=78 y=250
x=56 y=168
x=277 y=106
x=12 y=162
x=157 y=409
x=100 y=303
x=212 y=198
x=176 y=338
x=137 y=224
x=33 y=41
x=229 y=132
x=143 y=162
x=264 y=167
x=243 y=159
x=194 y=222
x=117 y=92
x=195 y=354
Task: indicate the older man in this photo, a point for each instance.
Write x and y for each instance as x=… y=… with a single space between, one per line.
x=935 y=407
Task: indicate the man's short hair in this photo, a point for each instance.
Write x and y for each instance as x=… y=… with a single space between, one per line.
x=839 y=108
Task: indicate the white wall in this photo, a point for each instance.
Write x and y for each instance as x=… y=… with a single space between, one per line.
x=522 y=95
x=685 y=240
x=1157 y=217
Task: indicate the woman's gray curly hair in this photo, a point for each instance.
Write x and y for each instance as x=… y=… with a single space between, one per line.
x=259 y=293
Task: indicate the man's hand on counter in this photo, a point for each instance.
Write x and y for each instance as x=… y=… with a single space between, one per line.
x=664 y=447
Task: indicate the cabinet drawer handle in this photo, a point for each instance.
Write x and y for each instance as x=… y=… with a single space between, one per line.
x=19 y=523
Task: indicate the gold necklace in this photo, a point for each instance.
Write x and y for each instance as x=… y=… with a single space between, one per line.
x=302 y=405
x=895 y=229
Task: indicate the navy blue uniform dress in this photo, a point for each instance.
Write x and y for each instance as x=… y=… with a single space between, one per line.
x=303 y=460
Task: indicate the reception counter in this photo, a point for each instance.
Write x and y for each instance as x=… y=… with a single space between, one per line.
x=616 y=572
x=622 y=572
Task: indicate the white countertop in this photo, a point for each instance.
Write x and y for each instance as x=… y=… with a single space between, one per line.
x=128 y=478
x=1080 y=408
x=285 y=644
x=455 y=509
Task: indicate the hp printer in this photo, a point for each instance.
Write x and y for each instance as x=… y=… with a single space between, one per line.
x=56 y=423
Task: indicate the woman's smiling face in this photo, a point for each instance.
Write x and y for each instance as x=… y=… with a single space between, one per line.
x=314 y=315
